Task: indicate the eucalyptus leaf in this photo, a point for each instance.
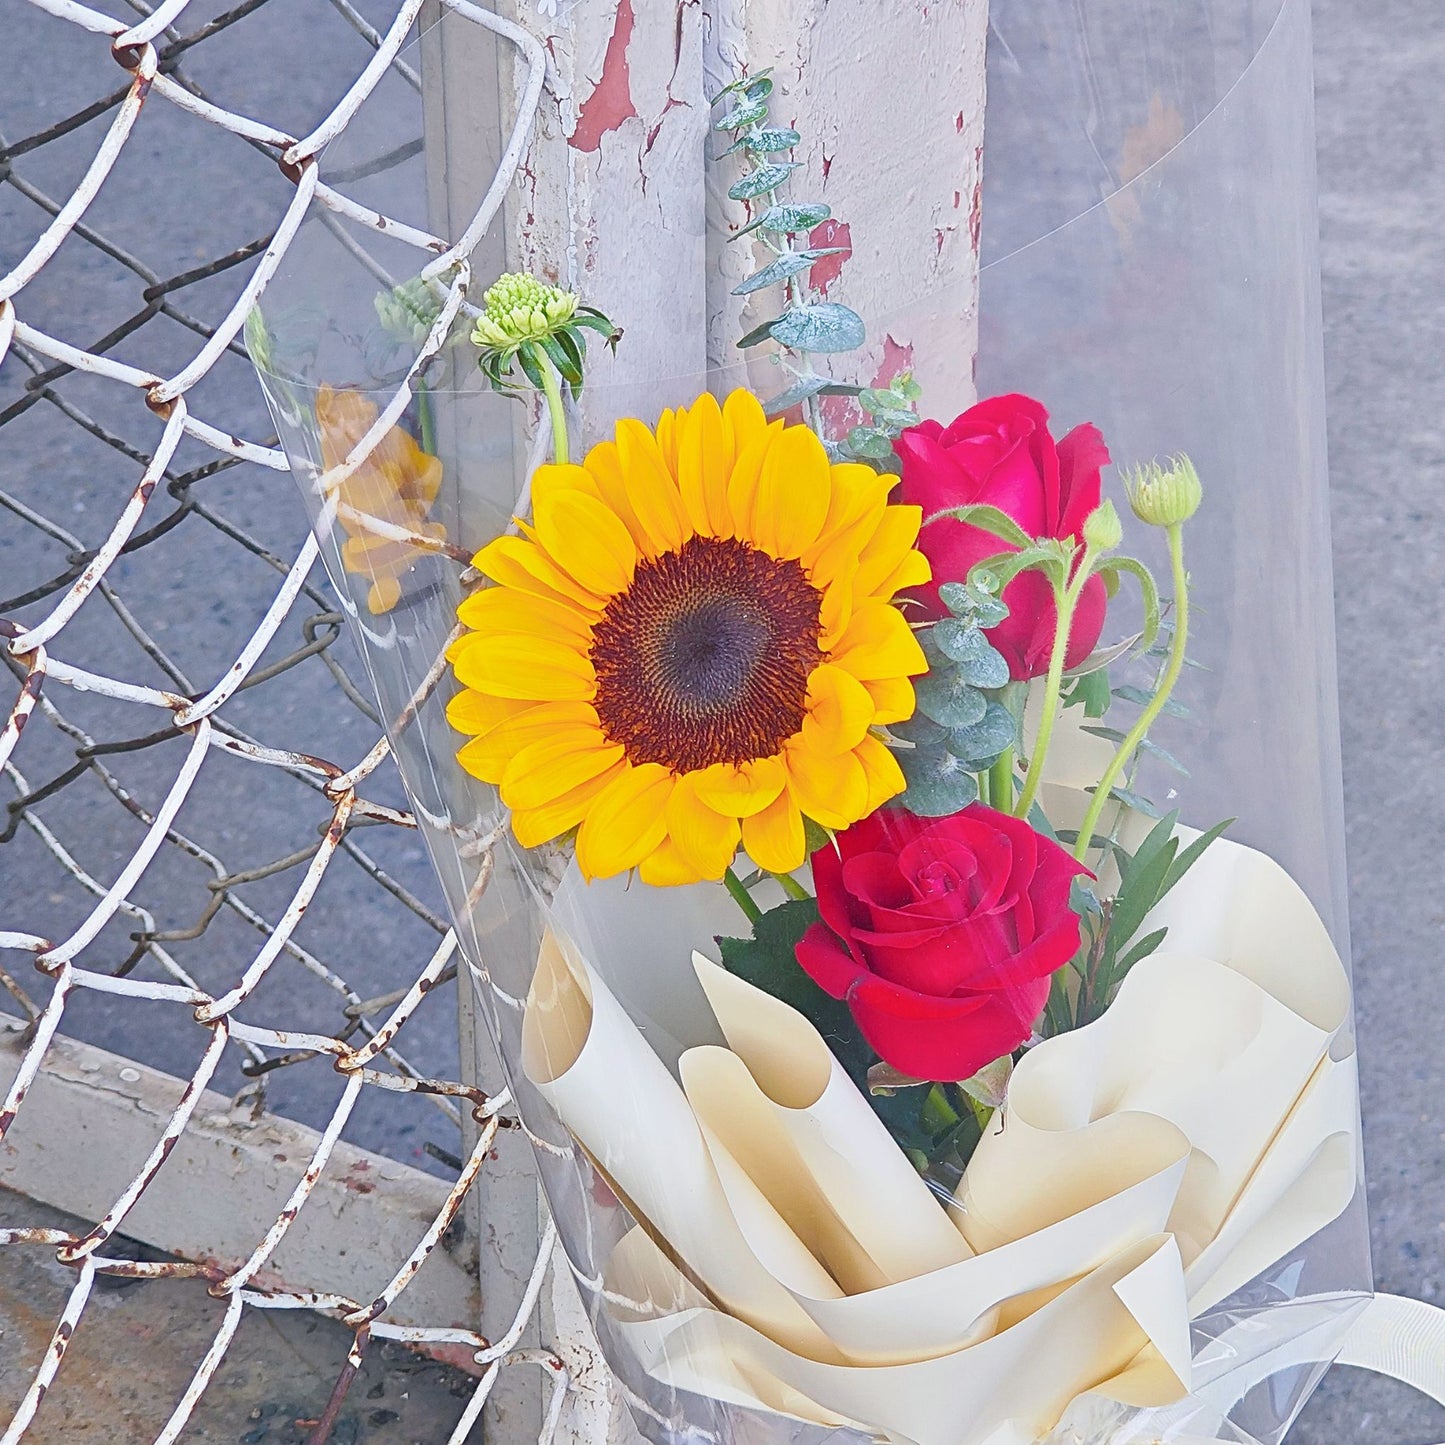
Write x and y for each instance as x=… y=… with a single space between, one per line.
x=758 y=333
x=971 y=602
x=750 y=112
x=979 y=662
x=870 y=443
x=786 y=265
x=980 y=745
x=746 y=85
x=786 y=219
x=919 y=729
x=768 y=141
x=759 y=182
x=820 y=326
x=938 y=784
x=946 y=698
x=799 y=392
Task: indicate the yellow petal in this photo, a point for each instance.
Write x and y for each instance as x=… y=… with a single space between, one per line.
x=559 y=761
x=504 y=609
x=743 y=483
x=893 y=699
x=836 y=609
x=743 y=789
x=488 y=754
x=891 y=542
x=832 y=791
x=651 y=487
x=625 y=823
x=773 y=838
x=586 y=539
x=705 y=838
x=859 y=495
x=880 y=766
x=913 y=571
x=510 y=665
x=668 y=426
x=534 y=826
x=704 y=462
x=474 y=712
x=552 y=478
x=838 y=711
x=382 y=596
x=666 y=867
x=605 y=465
x=879 y=643
x=743 y=421
x=516 y=562
x=795 y=488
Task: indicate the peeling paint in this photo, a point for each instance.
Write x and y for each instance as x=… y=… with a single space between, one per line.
x=611 y=100
x=827 y=271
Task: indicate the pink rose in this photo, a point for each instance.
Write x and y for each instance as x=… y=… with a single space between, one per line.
x=1001 y=454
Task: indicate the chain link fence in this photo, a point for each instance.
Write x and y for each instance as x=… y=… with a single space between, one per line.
x=206 y=863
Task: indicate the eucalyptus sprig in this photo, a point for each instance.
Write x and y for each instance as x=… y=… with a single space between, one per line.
x=808 y=324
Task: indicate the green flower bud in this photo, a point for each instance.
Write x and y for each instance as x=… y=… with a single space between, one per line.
x=1103 y=531
x=1164 y=496
x=520 y=308
x=408 y=311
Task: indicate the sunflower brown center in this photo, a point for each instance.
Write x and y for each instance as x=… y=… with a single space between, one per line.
x=705 y=658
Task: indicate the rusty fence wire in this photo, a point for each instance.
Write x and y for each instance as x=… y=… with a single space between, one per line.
x=177 y=846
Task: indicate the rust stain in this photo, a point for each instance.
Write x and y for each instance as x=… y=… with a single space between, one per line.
x=611 y=100
x=826 y=271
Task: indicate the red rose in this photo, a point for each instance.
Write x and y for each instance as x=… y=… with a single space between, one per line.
x=941 y=934
x=1001 y=454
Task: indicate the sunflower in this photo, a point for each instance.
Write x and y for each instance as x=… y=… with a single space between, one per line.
x=396 y=485
x=689 y=647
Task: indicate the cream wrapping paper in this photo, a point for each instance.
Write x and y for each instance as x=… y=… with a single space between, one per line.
x=1143 y=1168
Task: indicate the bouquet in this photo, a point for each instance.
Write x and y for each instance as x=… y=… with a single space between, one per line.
x=897 y=1058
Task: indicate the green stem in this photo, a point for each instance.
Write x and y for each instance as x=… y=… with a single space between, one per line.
x=425 y=419
x=1137 y=733
x=552 y=388
x=1001 y=782
x=742 y=897
x=790 y=886
x=1065 y=600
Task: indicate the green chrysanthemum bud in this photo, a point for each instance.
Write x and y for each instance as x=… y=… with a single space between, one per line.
x=1103 y=531
x=408 y=311
x=1164 y=496
x=520 y=308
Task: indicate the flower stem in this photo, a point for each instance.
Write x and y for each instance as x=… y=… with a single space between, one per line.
x=425 y=419
x=742 y=897
x=1001 y=782
x=552 y=388
x=1065 y=600
x=790 y=886
x=1137 y=733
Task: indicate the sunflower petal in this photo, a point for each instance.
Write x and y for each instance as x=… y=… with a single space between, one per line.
x=534 y=826
x=474 y=712
x=741 y=789
x=510 y=665
x=880 y=766
x=489 y=754
x=626 y=822
x=774 y=838
x=839 y=711
x=587 y=539
x=650 y=485
x=832 y=791
x=704 y=462
x=913 y=571
x=795 y=488
x=706 y=839
x=556 y=477
x=516 y=562
x=744 y=421
x=505 y=609
x=891 y=542
x=667 y=867
x=879 y=643
x=561 y=759
x=893 y=699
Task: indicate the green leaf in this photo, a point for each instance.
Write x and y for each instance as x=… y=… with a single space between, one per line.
x=786 y=265
x=1164 y=756
x=759 y=182
x=979 y=662
x=1113 y=735
x=768 y=141
x=1092 y=692
x=786 y=219
x=749 y=112
x=1003 y=567
x=1039 y=822
x=1148 y=590
x=869 y=443
x=531 y=367
x=758 y=333
x=972 y=603
x=920 y=729
x=980 y=746
x=987 y=519
x=1142 y=949
x=567 y=362
x=1190 y=855
x=1103 y=657
x=1127 y=692
x=946 y=698
x=1137 y=801
x=820 y=326
x=799 y=392
x=938 y=784
x=745 y=85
